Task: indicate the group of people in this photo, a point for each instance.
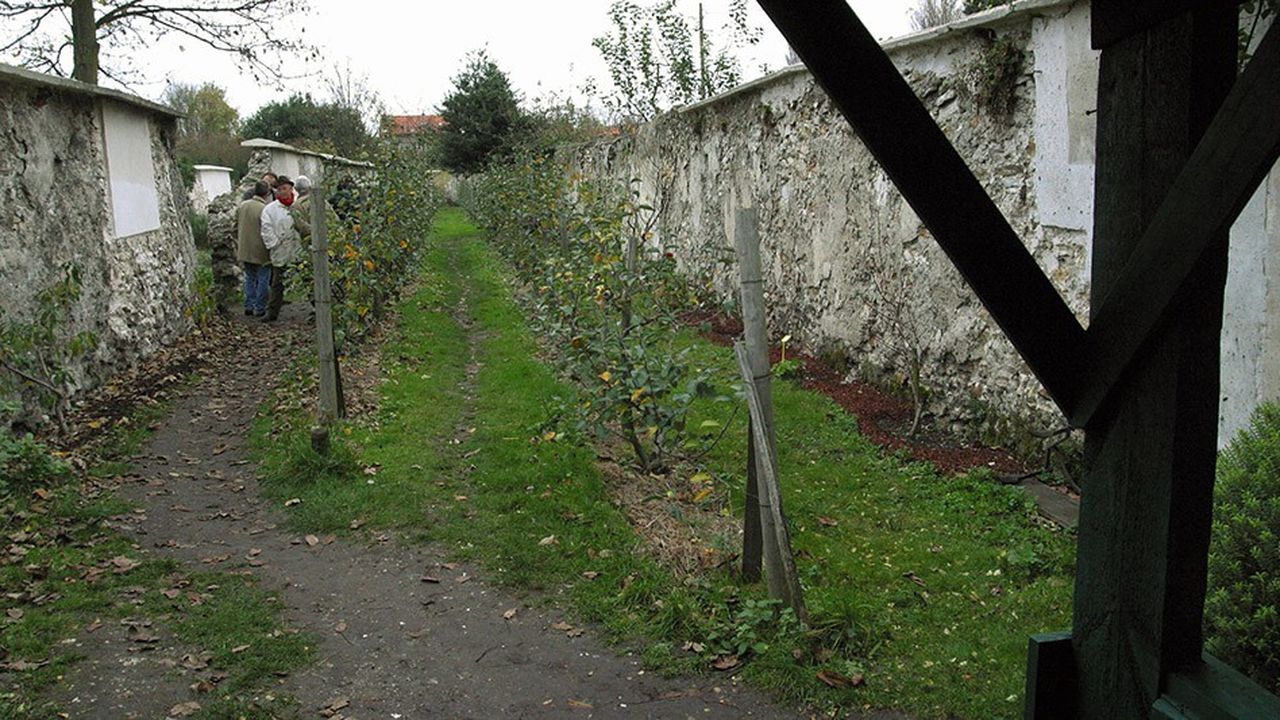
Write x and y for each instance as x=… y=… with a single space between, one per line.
x=272 y=223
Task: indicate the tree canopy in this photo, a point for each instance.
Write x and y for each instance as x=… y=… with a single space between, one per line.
x=658 y=59
x=302 y=121
x=102 y=35
x=210 y=132
x=483 y=118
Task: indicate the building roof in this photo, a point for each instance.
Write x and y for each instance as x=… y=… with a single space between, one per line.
x=412 y=124
x=22 y=76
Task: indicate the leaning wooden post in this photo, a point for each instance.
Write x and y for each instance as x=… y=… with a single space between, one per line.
x=331 y=406
x=757 y=517
x=783 y=575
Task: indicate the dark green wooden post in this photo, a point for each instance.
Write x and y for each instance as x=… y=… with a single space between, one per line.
x=1150 y=452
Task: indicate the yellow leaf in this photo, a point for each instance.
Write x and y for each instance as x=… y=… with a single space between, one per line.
x=700 y=478
x=638 y=393
x=702 y=494
x=606 y=376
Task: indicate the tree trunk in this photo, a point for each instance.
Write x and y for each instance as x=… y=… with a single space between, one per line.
x=84 y=38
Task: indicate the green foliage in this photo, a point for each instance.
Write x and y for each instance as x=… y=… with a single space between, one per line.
x=204 y=292
x=303 y=122
x=604 y=297
x=992 y=76
x=788 y=369
x=26 y=463
x=657 y=61
x=36 y=356
x=205 y=109
x=377 y=233
x=199 y=228
x=1242 y=611
x=483 y=119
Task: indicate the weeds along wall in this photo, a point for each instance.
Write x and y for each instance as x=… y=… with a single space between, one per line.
x=89 y=187
x=850 y=270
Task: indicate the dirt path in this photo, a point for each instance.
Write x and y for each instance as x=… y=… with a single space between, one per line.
x=391 y=644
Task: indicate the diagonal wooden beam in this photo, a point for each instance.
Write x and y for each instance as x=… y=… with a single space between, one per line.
x=1236 y=153
x=1115 y=20
x=864 y=84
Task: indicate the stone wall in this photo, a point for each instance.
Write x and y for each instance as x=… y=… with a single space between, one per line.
x=850 y=270
x=57 y=209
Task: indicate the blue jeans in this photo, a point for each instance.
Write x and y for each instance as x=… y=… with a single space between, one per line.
x=257 y=287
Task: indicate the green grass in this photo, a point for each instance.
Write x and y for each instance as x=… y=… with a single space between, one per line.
x=927 y=585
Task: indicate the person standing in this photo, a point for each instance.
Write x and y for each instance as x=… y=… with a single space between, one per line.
x=281 y=240
x=301 y=208
x=251 y=252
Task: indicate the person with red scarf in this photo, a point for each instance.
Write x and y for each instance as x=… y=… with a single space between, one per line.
x=281 y=239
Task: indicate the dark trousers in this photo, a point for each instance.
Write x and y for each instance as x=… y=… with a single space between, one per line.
x=277 y=292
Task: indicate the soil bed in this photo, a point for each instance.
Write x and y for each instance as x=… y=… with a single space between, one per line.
x=882 y=418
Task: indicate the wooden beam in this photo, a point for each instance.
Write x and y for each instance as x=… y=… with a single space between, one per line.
x=1115 y=20
x=864 y=84
x=1239 y=149
x=1149 y=455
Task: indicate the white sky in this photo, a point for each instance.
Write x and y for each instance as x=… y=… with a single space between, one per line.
x=410 y=50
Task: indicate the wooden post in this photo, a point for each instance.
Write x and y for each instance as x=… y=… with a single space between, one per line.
x=757 y=535
x=331 y=405
x=783 y=575
x=1150 y=452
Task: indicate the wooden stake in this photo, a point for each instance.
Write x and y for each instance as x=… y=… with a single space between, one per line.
x=756 y=543
x=331 y=405
x=783 y=575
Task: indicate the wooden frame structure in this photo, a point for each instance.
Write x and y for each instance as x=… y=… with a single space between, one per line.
x=1182 y=144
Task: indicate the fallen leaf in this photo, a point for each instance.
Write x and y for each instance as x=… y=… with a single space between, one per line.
x=829 y=522
x=239 y=649
x=450 y=566
x=372 y=470
x=123 y=564
x=702 y=494
x=841 y=682
x=590 y=574
x=549 y=540
x=193 y=662
x=430 y=579
x=726 y=662
x=509 y=614
x=292 y=501
x=694 y=647
x=312 y=540
x=580 y=705
x=202 y=687
x=93 y=626
x=14 y=613
x=562 y=626
x=185 y=709
x=42 y=494
x=340 y=628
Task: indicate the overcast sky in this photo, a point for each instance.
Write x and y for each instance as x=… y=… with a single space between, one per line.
x=410 y=50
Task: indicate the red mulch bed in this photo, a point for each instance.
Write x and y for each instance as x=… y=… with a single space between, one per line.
x=883 y=418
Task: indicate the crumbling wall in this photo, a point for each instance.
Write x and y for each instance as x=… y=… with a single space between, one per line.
x=55 y=214
x=847 y=263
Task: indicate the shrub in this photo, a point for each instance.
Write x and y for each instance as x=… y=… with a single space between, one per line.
x=1242 y=611
x=199 y=228
x=26 y=463
x=606 y=299
x=377 y=233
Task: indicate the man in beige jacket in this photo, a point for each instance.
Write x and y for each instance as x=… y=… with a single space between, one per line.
x=251 y=252
x=281 y=239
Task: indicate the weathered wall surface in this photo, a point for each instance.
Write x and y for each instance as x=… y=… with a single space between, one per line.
x=56 y=211
x=849 y=267
x=841 y=246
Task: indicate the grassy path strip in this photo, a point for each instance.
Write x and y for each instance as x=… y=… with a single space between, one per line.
x=928 y=587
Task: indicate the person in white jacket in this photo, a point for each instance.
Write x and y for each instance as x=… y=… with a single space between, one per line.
x=281 y=239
